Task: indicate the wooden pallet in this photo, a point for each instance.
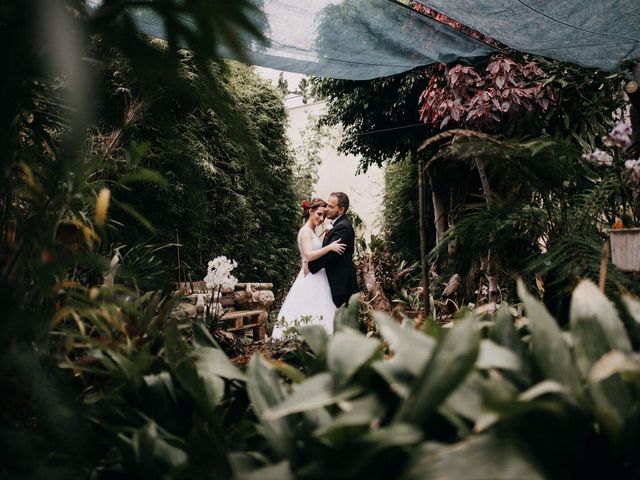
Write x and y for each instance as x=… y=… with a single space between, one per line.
x=239 y=322
x=242 y=321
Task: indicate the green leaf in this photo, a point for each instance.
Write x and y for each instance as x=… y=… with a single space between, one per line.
x=279 y=471
x=206 y=390
x=494 y=356
x=615 y=363
x=202 y=337
x=545 y=387
x=160 y=388
x=597 y=330
x=212 y=361
x=549 y=348
x=143 y=175
x=315 y=392
x=316 y=337
x=348 y=351
x=632 y=318
x=265 y=391
x=481 y=457
x=468 y=399
x=504 y=333
x=359 y=412
x=632 y=306
x=348 y=316
x=141 y=219
x=410 y=348
x=152 y=453
x=449 y=365
x=595 y=326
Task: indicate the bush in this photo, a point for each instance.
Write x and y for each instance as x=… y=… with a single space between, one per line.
x=493 y=399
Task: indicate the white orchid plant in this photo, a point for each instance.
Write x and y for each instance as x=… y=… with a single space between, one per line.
x=617 y=142
x=218 y=279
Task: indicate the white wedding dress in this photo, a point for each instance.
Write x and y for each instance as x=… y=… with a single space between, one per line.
x=309 y=299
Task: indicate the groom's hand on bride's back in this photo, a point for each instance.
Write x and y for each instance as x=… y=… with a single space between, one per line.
x=337 y=247
x=305 y=269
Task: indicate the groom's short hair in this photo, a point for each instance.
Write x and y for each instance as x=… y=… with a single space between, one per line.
x=343 y=200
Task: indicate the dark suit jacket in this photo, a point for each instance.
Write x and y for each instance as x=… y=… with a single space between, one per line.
x=340 y=270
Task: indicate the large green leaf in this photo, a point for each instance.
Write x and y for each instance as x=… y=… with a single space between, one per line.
x=632 y=318
x=468 y=399
x=410 y=348
x=160 y=389
x=316 y=337
x=212 y=361
x=597 y=330
x=493 y=355
x=376 y=454
x=359 y=412
x=265 y=391
x=487 y=456
x=348 y=351
x=151 y=451
x=503 y=333
x=595 y=326
x=205 y=388
x=348 y=316
x=549 y=349
x=449 y=365
x=278 y=471
x=315 y=392
x=410 y=351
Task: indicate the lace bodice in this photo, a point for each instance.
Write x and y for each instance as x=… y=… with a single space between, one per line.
x=308 y=238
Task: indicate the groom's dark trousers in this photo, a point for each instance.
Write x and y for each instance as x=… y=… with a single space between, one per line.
x=340 y=270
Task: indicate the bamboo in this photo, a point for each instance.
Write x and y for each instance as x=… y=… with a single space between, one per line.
x=423 y=237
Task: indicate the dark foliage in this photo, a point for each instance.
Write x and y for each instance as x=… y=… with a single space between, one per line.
x=218 y=198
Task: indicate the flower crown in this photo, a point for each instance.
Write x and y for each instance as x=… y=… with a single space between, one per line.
x=315 y=202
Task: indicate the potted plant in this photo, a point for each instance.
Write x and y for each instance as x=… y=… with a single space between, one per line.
x=624 y=236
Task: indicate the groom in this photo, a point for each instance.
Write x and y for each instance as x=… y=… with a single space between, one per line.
x=340 y=270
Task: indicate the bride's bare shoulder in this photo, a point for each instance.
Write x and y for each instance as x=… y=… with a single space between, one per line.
x=304 y=230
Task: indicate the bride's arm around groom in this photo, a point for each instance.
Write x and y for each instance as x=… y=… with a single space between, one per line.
x=339 y=267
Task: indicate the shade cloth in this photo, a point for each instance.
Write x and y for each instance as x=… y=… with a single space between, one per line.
x=592 y=33
x=363 y=39
x=350 y=39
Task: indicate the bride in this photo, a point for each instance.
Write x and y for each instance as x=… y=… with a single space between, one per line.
x=309 y=299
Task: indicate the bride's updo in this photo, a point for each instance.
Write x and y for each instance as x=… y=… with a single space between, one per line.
x=308 y=207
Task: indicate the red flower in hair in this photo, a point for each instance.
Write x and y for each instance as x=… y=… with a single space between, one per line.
x=305 y=204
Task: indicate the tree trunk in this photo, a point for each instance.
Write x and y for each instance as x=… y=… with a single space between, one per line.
x=439 y=215
x=423 y=234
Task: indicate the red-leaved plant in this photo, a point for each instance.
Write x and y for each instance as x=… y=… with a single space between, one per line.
x=464 y=96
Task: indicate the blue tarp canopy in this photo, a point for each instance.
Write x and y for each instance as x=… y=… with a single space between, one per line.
x=351 y=39
x=592 y=33
x=363 y=39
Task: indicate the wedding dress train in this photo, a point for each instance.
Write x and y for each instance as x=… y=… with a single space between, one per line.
x=309 y=299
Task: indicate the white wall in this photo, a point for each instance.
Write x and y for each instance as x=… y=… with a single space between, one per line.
x=338 y=172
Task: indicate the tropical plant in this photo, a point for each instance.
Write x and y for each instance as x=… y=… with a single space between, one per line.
x=473 y=402
x=56 y=201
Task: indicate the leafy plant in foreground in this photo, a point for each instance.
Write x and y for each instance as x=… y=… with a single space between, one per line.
x=480 y=402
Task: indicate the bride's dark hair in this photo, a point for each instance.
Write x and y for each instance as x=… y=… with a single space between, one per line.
x=312 y=205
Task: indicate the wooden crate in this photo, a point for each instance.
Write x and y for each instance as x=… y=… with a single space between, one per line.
x=625 y=249
x=242 y=321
